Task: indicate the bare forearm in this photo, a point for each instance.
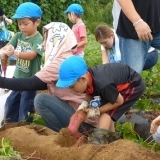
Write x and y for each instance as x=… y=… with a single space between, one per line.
x=129 y=10
x=83 y=42
x=105 y=58
x=108 y=107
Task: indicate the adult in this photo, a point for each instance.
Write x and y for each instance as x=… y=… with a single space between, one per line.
x=57 y=107
x=138 y=28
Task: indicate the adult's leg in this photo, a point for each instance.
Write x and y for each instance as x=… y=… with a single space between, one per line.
x=26 y=105
x=152 y=58
x=56 y=112
x=156 y=41
x=12 y=107
x=133 y=52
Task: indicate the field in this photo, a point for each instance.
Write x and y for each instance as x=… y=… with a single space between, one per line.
x=37 y=142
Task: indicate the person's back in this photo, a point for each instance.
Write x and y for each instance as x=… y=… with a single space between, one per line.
x=27 y=48
x=74 y=12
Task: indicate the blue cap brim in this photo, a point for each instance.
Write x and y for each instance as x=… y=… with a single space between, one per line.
x=66 y=11
x=18 y=16
x=65 y=84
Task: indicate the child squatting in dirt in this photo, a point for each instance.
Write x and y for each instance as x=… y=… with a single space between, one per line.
x=117 y=87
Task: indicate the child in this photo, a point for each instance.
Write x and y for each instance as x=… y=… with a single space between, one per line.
x=117 y=87
x=110 y=47
x=74 y=12
x=3 y=21
x=27 y=49
x=4 y=33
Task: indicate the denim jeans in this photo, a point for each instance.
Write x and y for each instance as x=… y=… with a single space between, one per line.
x=134 y=52
x=152 y=58
x=56 y=112
x=18 y=104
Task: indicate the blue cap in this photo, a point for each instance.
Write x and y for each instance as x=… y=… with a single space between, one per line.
x=28 y=9
x=71 y=69
x=75 y=8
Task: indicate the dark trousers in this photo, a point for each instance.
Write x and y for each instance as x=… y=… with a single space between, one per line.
x=18 y=105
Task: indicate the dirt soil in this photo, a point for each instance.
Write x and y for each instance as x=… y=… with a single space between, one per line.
x=46 y=144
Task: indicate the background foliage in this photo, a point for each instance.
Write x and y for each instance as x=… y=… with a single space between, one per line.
x=95 y=11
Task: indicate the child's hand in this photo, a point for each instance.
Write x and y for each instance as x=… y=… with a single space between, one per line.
x=8 y=21
x=154 y=125
x=83 y=105
x=92 y=112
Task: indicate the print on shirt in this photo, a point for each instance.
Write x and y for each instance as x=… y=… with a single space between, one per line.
x=22 y=46
x=59 y=32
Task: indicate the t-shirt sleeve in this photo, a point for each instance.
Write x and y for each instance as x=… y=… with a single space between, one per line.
x=37 y=45
x=109 y=93
x=14 y=40
x=82 y=31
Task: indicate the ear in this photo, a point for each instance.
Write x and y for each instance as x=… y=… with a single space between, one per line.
x=38 y=22
x=83 y=79
x=112 y=35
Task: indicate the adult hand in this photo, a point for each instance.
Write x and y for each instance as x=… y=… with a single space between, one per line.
x=8 y=50
x=143 y=31
x=154 y=125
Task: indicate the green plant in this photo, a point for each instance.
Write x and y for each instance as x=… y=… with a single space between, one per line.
x=37 y=119
x=7 y=150
x=127 y=130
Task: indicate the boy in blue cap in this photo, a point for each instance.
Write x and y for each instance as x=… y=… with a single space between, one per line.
x=74 y=12
x=26 y=47
x=115 y=87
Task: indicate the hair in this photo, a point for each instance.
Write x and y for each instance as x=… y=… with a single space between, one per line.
x=102 y=31
x=79 y=16
x=34 y=19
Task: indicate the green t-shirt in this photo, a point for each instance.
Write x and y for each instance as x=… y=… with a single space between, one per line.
x=27 y=68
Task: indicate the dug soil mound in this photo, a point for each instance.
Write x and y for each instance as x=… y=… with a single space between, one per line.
x=49 y=145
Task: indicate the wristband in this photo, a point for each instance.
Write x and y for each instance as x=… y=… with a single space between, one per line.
x=140 y=20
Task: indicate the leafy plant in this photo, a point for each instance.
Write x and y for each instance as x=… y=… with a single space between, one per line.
x=129 y=133
x=8 y=151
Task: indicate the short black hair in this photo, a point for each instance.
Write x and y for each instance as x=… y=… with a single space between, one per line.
x=1 y=12
x=33 y=19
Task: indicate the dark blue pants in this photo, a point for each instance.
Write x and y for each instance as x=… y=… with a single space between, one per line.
x=18 y=105
x=152 y=58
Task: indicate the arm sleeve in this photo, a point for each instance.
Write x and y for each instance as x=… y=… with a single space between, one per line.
x=82 y=31
x=110 y=93
x=22 y=84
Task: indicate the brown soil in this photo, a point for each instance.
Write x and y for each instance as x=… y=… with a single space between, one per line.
x=49 y=145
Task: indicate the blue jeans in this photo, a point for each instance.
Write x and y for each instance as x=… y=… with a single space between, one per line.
x=152 y=58
x=134 y=52
x=18 y=104
x=56 y=112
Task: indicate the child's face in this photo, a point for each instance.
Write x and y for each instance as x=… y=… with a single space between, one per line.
x=107 y=42
x=72 y=17
x=80 y=85
x=27 y=27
